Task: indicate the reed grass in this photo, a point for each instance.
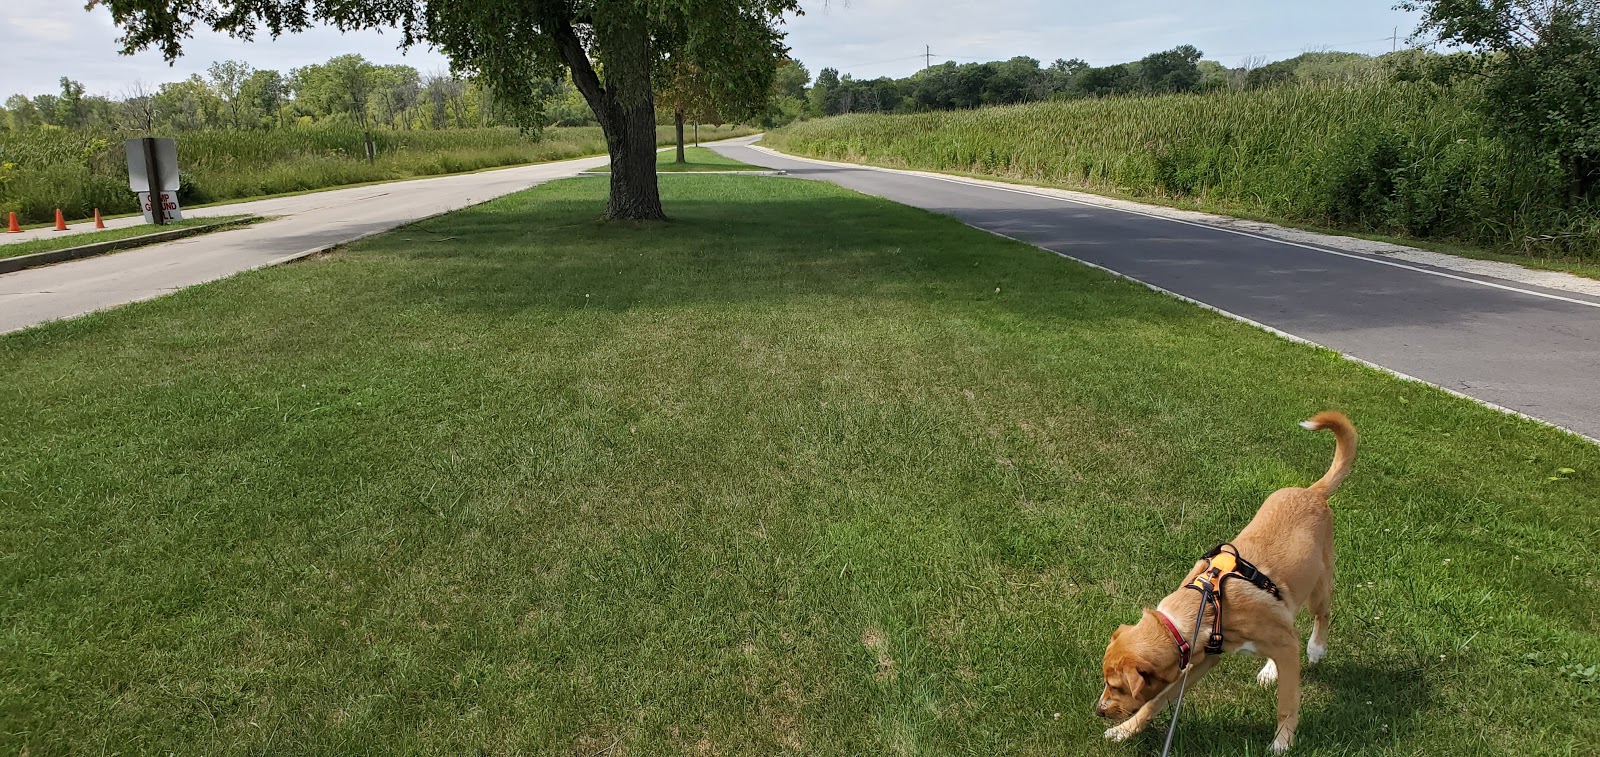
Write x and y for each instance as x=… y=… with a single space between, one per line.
x=1398 y=158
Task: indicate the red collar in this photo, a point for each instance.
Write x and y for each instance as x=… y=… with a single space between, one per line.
x=1183 y=646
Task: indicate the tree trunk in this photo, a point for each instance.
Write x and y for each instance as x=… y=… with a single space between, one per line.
x=677 y=117
x=635 y=194
x=624 y=105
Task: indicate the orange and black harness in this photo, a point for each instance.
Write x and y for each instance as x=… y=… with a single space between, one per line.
x=1222 y=563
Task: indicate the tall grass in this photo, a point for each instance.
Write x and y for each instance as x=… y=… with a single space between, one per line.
x=79 y=171
x=1397 y=158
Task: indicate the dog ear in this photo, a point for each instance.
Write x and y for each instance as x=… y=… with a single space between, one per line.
x=1118 y=632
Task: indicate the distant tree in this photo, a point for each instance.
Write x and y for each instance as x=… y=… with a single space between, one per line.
x=48 y=108
x=265 y=92
x=823 y=95
x=1013 y=81
x=343 y=85
x=1108 y=80
x=788 y=93
x=22 y=113
x=70 y=111
x=139 y=107
x=227 y=79
x=1175 y=70
x=188 y=105
x=1543 y=77
x=398 y=90
x=1061 y=73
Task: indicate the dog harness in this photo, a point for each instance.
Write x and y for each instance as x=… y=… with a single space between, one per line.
x=1222 y=563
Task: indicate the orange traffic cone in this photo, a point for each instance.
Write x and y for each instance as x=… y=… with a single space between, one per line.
x=16 y=228
x=61 y=221
x=99 y=224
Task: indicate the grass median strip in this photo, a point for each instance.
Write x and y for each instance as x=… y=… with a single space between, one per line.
x=130 y=233
x=800 y=471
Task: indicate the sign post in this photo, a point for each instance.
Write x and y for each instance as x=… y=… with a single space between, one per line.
x=153 y=173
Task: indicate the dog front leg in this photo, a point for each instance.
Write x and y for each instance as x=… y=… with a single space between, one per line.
x=1288 y=663
x=1152 y=708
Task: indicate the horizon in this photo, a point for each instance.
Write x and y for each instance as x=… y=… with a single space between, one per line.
x=859 y=39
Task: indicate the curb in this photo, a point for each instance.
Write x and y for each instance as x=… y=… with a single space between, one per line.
x=22 y=262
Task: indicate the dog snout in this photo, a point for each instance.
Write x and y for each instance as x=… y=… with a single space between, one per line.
x=1100 y=709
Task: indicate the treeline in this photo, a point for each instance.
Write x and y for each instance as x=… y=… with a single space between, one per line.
x=961 y=86
x=347 y=89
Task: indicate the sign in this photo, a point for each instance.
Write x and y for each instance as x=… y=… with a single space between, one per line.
x=168 y=202
x=165 y=154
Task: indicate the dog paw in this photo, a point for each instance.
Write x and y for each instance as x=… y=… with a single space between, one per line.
x=1315 y=652
x=1121 y=732
x=1268 y=674
x=1282 y=743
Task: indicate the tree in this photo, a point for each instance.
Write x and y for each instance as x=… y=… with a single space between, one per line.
x=823 y=95
x=1175 y=70
x=139 y=107
x=227 y=79
x=24 y=115
x=342 y=85
x=788 y=94
x=69 y=105
x=1109 y=80
x=265 y=92
x=189 y=104
x=612 y=48
x=1543 y=72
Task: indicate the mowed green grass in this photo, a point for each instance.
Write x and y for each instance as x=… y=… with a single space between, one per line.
x=695 y=159
x=64 y=241
x=799 y=472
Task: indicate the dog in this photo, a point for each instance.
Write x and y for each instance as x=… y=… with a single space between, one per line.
x=1290 y=541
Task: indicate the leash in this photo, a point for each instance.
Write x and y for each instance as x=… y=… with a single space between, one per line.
x=1183 y=679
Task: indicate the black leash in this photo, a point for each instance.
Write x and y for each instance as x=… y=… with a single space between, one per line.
x=1183 y=676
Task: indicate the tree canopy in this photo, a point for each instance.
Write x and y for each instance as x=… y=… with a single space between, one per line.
x=612 y=49
x=1542 y=70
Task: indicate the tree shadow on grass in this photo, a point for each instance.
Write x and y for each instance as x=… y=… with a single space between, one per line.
x=550 y=254
x=1370 y=702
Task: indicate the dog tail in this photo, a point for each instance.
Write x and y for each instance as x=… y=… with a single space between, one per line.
x=1344 y=453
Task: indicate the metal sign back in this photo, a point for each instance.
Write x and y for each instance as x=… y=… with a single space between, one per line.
x=166 y=158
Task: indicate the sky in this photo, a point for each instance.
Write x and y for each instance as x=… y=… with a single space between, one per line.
x=43 y=40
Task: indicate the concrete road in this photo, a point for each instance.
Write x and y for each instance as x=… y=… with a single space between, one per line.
x=306 y=224
x=1532 y=350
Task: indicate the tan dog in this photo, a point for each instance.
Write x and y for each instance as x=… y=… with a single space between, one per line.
x=1291 y=541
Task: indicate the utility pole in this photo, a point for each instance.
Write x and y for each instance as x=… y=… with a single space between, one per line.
x=928 y=55
x=1394 y=40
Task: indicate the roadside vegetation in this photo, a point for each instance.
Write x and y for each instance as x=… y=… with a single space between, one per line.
x=799 y=472
x=1411 y=159
x=80 y=170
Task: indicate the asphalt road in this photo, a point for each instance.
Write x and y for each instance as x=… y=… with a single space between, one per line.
x=304 y=224
x=1532 y=350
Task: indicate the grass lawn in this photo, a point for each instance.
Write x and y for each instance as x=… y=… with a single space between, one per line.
x=697 y=159
x=110 y=235
x=800 y=471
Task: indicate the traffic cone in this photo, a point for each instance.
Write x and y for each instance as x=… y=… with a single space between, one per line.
x=16 y=228
x=61 y=221
x=99 y=224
